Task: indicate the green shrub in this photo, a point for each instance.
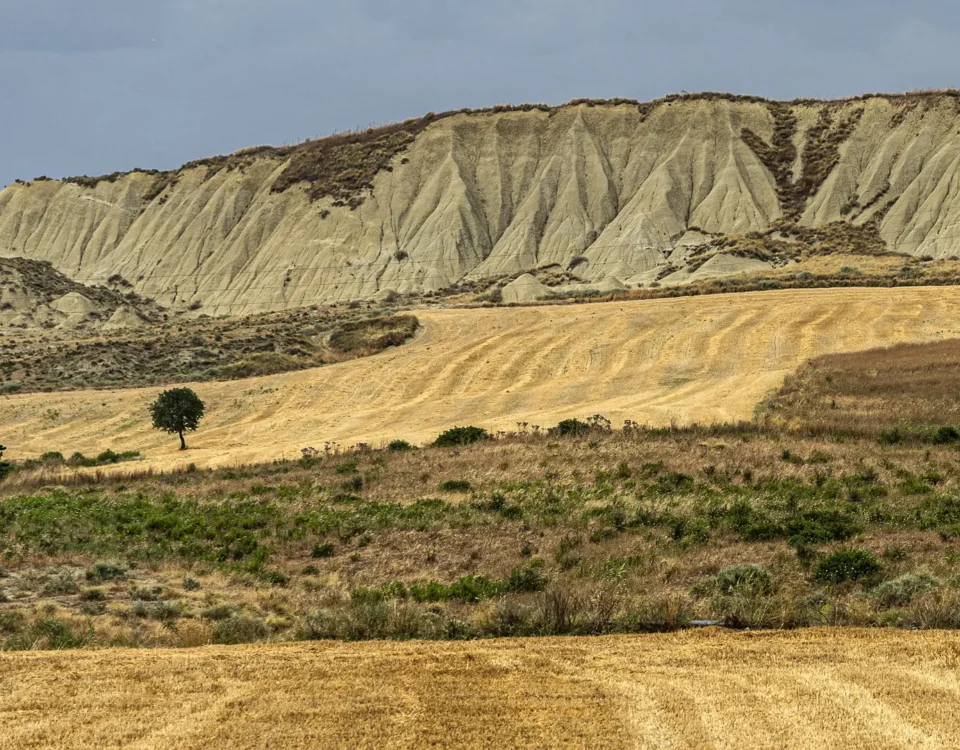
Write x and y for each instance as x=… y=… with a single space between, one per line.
x=61 y=584
x=745 y=579
x=239 y=629
x=163 y=611
x=11 y=621
x=528 y=578
x=460 y=436
x=469 y=588
x=847 y=565
x=347 y=467
x=946 y=435
x=384 y=592
x=275 y=577
x=820 y=527
x=456 y=485
x=322 y=550
x=48 y=633
x=106 y=571
x=901 y=591
x=570 y=428
x=674 y=482
x=353 y=484
x=218 y=612
x=398 y=446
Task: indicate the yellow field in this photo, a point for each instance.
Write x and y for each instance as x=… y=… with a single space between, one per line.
x=806 y=689
x=692 y=359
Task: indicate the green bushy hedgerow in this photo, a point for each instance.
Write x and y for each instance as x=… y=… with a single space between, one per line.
x=847 y=565
x=460 y=436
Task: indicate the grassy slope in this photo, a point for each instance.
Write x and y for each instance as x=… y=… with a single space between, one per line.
x=913 y=389
x=707 y=359
x=532 y=534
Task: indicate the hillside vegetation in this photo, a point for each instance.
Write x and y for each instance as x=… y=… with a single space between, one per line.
x=853 y=394
x=191 y=350
x=576 y=529
x=618 y=195
x=34 y=295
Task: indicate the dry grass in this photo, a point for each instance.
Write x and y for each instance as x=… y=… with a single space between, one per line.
x=915 y=387
x=851 y=689
x=705 y=360
x=626 y=526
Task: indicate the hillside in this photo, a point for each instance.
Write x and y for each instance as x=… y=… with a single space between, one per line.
x=610 y=195
x=34 y=295
x=699 y=359
x=190 y=350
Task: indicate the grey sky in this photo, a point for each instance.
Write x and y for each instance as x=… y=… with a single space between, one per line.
x=93 y=86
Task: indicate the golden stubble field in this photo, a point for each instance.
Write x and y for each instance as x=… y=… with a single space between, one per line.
x=700 y=359
x=853 y=689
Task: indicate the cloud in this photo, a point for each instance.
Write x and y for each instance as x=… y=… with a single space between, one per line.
x=87 y=90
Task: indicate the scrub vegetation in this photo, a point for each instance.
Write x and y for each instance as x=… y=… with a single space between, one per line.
x=784 y=522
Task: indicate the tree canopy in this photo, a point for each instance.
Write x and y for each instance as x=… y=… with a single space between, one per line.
x=178 y=410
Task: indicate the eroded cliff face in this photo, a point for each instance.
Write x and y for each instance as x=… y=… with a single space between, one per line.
x=628 y=187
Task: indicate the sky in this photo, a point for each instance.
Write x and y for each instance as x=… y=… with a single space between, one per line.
x=96 y=86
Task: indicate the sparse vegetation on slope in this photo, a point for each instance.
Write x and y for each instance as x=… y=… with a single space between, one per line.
x=198 y=349
x=34 y=294
x=905 y=393
x=543 y=532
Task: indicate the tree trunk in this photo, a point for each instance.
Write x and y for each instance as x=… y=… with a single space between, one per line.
x=183 y=443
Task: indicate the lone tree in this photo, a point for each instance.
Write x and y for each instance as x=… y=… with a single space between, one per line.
x=178 y=410
x=5 y=466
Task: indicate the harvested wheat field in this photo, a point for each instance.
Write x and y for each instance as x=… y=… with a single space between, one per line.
x=700 y=359
x=708 y=689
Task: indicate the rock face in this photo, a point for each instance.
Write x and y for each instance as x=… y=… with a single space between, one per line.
x=619 y=188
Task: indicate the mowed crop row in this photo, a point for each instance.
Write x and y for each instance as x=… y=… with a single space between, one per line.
x=699 y=359
x=806 y=689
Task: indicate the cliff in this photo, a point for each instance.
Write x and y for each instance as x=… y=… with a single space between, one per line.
x=619 y=192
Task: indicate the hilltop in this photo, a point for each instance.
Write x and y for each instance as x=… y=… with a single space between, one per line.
x=592 y=197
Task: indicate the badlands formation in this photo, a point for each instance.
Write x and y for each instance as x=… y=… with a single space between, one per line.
x=614 y=194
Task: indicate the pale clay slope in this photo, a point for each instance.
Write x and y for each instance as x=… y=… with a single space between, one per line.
x=699 y=359
x=23 y=305
x=842 y=688
x=490 y=194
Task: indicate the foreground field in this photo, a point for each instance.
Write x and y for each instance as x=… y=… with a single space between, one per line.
x=702 y=359
x=812 y=689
